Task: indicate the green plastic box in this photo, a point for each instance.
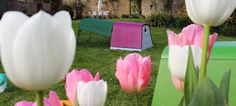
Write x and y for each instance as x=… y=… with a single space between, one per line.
x=223 y=57
x=99 y=26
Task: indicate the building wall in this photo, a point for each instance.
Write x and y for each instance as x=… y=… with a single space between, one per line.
x=120 y=7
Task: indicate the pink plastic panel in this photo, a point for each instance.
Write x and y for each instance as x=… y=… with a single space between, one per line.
x=127 y=35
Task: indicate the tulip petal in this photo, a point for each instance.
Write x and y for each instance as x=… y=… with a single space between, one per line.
x=92 y=93
x=42 y=52
x=10 y=24
x=72 y=79
x=184 y=38
x=209 y=12
x=122 y=74
x=54 y=99
x=144 y=73
x=177 y=60
x=63 y=19
x=24 y=103
x=179 y=84
x=97 y=76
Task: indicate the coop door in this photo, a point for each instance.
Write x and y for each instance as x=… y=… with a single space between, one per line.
x=146 y=38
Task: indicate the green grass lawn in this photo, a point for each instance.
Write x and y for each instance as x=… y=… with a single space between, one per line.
x=93 y=53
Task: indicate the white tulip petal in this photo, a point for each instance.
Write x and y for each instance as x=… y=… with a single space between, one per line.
x=42 y=52
x=92 y=93
x=10 y=24
x=209 y=12
x=63 y=19
x=178 y=57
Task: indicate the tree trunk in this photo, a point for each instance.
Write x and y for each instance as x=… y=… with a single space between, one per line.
x=139 y=5
x=130 y=7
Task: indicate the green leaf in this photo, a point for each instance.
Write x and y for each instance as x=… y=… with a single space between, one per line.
x=191 y=78
x=224 y=84
x=207 y=94
x=181 y=103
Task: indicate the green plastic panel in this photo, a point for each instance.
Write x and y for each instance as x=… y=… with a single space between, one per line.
x=166 y=95
x=99 y=26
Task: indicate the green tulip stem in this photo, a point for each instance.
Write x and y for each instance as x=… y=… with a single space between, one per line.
x=137 y=99
x=204 y=51
x=39 y=98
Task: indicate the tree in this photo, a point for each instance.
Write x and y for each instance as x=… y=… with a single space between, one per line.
x=139 y=6
x=168 y=5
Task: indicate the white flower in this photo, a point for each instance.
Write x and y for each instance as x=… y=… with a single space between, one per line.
x=38 y=51
x=178 y=57
x=210 y=12
x=92 y=93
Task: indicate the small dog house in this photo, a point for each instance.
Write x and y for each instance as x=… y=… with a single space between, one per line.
x=131 y=36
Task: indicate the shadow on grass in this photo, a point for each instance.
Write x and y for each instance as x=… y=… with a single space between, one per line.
x=88 y=39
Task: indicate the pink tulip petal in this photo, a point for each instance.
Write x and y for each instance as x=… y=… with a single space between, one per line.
x=54 y=99
x=72 y=79
x=24 y=103
x=133 y=72
x=179 y=84
x=184 y=38
x=144 y=73
x=122 y=73
x=97 y=76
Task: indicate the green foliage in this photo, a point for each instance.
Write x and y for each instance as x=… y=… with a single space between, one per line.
x=166 y=20
x=191 y=78
x=229 y=27
x=67 y=8
x=207 y=94
x=224 y=84
x=55 y=5
x=124 y=16
x=203 y=92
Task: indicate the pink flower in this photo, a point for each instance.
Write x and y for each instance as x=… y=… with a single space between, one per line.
x=178 y=50
x=133 y=72
x=179 y=84
x=190 y=35
x=53 y=100
x=72 y=79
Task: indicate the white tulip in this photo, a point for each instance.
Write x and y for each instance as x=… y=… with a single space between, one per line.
x=38 y=51
x=178 y=57
x=210 y=12
x=92 y=93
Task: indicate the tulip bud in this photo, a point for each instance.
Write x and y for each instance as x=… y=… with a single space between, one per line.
x=210 y=12
x=36 y=51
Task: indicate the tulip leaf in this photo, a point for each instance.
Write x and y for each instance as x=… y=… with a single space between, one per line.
x=181 y=103
x=225 y=83
x=207 y=94
x=76 y=101
x=191 y=78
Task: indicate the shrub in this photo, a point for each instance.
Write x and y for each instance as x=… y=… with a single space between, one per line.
x=229 y=27
x=166 y=20
x=67 y=8
x=124 y=16
x=182 y=21
x=156 y=20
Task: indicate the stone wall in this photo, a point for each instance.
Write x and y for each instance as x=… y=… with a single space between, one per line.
x=122 y=6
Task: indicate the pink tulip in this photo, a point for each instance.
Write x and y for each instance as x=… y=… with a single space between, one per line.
x=178 y=51
x=72 y=79
x=53 y=100
x=190 y=35
x=133 y=72
x=179 y=84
